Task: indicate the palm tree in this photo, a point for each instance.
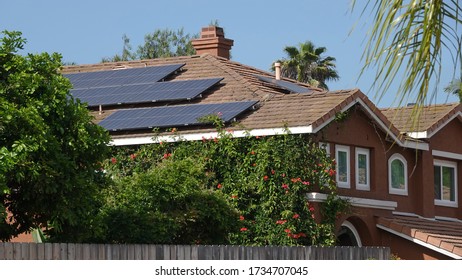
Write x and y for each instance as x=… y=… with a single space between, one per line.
x=306 y=64
x=455 y=88
x=409 y=37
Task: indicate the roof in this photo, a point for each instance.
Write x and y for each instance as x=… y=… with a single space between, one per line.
x=442 y=236
x=278 y=107
x=430 y=120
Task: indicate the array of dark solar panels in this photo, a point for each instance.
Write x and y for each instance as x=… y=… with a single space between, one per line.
x=127 y=76
x=173 y=116
x=144 y=93
x=292 y=87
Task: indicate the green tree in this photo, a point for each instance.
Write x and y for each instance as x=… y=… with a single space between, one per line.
x=160 y=43
x=169 y=203
x=50 y=151
x=410 y=37
x=308 y=65
x=455 y=88
x=263 y=179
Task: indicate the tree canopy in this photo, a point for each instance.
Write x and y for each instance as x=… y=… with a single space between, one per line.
x=308 y=65
x=160 y=43
x=50 y=151
x=224 y=190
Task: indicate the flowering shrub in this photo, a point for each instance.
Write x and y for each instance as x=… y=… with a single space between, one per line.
x=265 y=179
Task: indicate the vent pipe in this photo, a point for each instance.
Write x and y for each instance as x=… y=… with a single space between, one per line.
x=277 y=69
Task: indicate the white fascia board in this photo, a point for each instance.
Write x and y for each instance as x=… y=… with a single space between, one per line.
x=458 y=114
x=372 y=203
x=329 y=120
x=425 y=134
x=417 y=135
x=444 y=154
x=210 y=135
x=416 y=145
x=356 y=201
x=417 y=241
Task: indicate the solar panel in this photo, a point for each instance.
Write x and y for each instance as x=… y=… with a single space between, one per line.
x=173 y=116
x=143 y=93
x=143 y=75
x=292 y=87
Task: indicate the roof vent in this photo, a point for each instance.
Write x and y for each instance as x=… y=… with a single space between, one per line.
x=277 y=69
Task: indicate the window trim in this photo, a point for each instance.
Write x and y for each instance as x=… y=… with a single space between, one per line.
x=342 y=148
x=363 y=151
x=325 y=146
x=451 y=164
x=392 y=190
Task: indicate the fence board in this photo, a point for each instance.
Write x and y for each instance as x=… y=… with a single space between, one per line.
x=70 y=251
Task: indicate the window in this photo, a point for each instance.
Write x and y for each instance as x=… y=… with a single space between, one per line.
x=445 y=178
x=325 y=146
x=397 y=175
x=362 y=169
x=342 y=158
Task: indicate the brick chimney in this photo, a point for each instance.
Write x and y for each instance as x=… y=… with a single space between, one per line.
x=213 y=41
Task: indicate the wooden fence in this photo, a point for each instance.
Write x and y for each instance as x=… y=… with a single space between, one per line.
x=69 y=251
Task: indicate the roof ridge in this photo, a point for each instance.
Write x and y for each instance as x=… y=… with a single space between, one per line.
x=221 y=62
x=424 y=106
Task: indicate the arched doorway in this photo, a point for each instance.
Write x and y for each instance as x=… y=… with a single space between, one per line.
x=348 y=235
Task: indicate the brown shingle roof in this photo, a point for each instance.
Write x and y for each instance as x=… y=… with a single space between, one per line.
x=444 y=235
x=277 y=108
x=429 y=120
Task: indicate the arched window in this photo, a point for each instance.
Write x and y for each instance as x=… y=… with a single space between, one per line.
x=397 y=174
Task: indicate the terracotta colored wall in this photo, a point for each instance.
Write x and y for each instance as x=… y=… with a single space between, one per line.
x=359 y=131
x=449 y=139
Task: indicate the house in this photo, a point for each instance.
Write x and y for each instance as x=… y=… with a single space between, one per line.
x=400 y=179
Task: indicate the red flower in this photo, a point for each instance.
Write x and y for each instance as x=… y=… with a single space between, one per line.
x=254 y=164
x=272 y=172
x=265 y=178
x=234 y=196
x=167 y=155
x=244 y=229
x=306 y=183
x=219 y=186
x=114 y=160
x=287 y=230
x=281 y=222
x=285 y=186
x=331 y=172
x=133 y=156
x=241 y=218
x=296 y=216
x=295 y=180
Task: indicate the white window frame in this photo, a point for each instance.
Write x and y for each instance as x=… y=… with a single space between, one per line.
x=367 y=185
x=392 y=190
x=325 y=146
x=450 y=164
x=346 y=149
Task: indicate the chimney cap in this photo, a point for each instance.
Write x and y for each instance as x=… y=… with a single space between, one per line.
x=213 y=41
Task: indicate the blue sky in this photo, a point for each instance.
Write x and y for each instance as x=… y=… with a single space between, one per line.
x=85 y=31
